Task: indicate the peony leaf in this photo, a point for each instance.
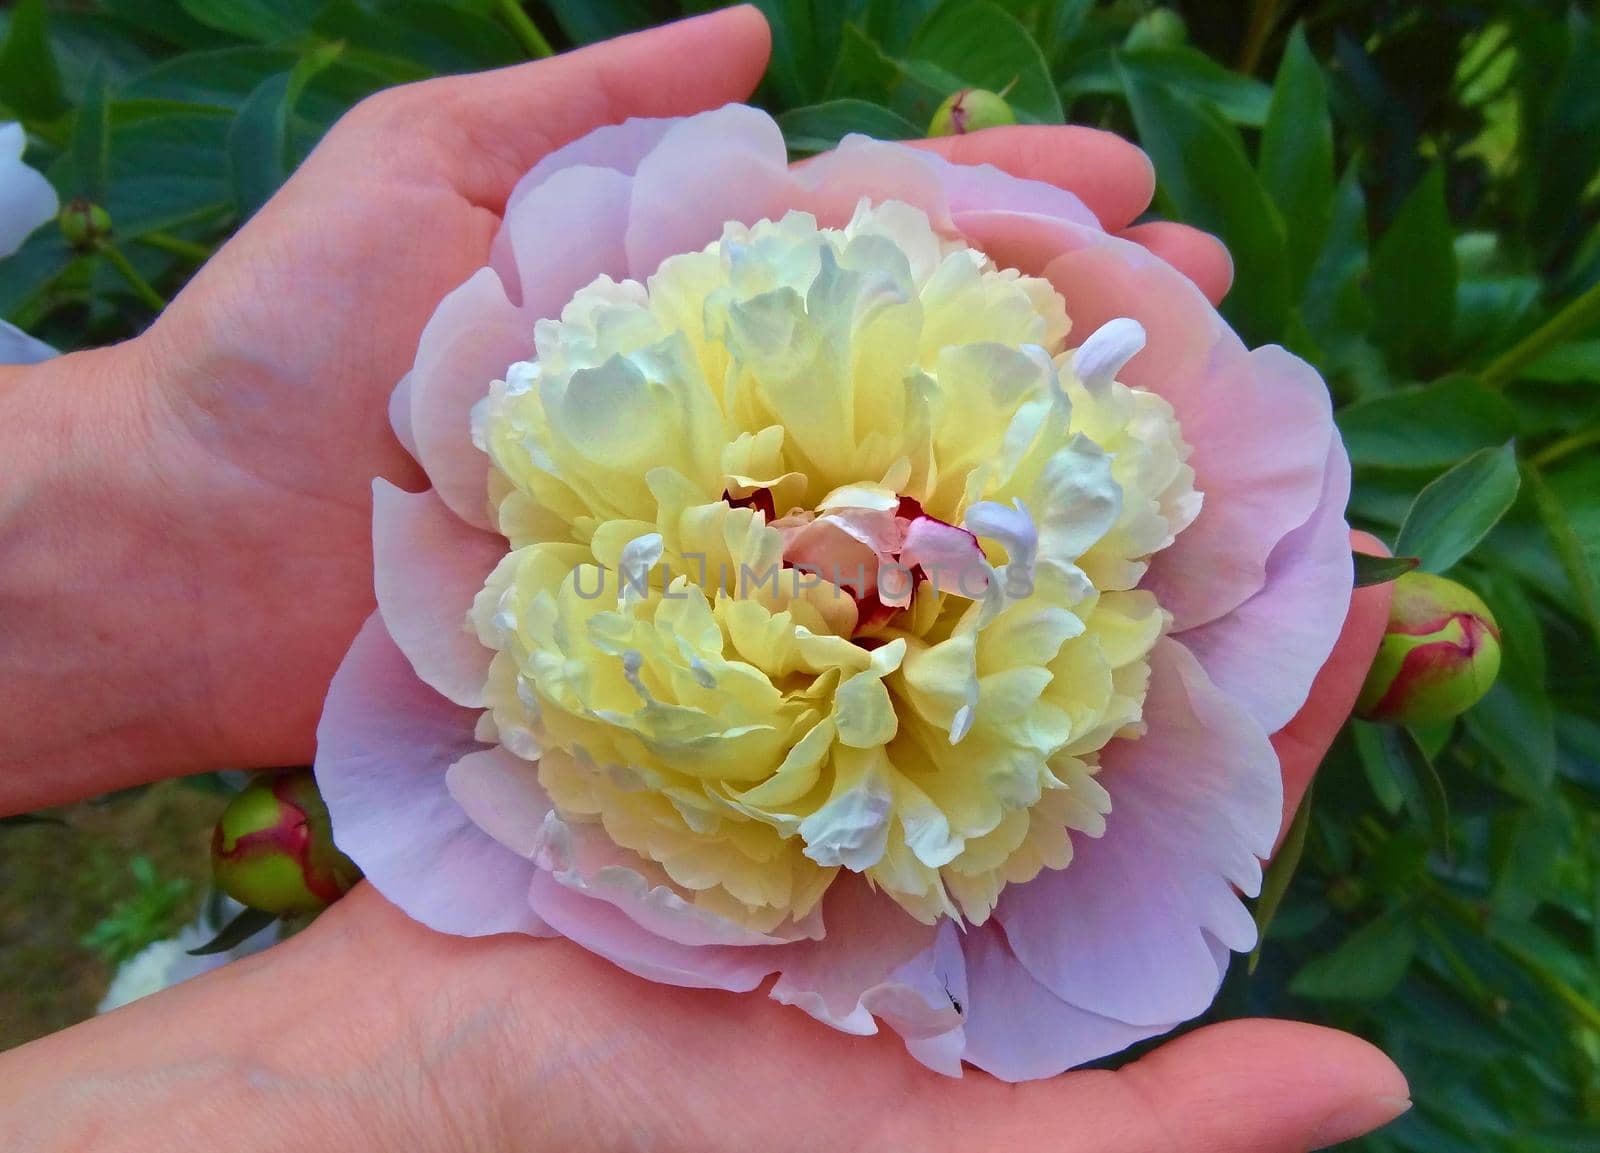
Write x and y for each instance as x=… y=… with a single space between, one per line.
x=1275 y=885
x=30 y=81
x=1413 y=284
x=1457 y=510
x=1427 y=427
x=258 y=142
x=978 y=44
x=819 y=127
x=1401 y=774
x=1297 y=155
x=1377 y=570
x=91 y=139
x=1206 y=177
x=1240 y=99
x=266 y=21
x=1367 y=965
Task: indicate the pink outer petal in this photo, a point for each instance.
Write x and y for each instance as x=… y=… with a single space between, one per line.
x=875 y=962
x=583 y=859
x=428 y=565
x=1266 y=652
x=607 y=931
x=472 y=339
x=730 y=164
x=501 y=794
x=383 y=746
x=561 y=236
x=1018 y=1030
x=1260 y=423
x=400 y=415
x=1126 y=930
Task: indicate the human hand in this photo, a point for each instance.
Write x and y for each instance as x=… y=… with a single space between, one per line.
x=256 y=403
x=369 y=1031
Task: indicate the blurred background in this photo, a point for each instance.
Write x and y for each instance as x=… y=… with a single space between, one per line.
x=1411 y=193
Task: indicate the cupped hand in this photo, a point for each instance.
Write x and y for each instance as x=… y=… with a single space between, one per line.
x=370 y=1032
x=267 y=412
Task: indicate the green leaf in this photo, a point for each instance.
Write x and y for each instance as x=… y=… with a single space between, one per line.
x=1455 y=511
x=1377 y=570
x=805 y=43
x=1413 y=280
x=1275 y=885
x=165 y=171
x=1366 y=965
x=1576 y=362
x=819 y=127
x=439 y=37
x=1427 y=427
x=30 y=81
x=236 y=932
x=978 y=44
x=258 y=142
x=17 y=820
x=1241 y=99
x=1398 y=767
x=1568 y=502
x=266 y=21
x=589 y=21
x=91 y=140
x=1205 y=175
x=1297 y=156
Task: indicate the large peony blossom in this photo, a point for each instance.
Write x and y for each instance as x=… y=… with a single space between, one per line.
x=870 y=573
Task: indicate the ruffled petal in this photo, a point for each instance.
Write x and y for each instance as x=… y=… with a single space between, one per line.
x=1259 y=423
x=501 y=794
x=1266 y=652
x=583 y=859
x=730 y=164
x=27 y=199
x=383 y=746
x=1125 y=930
x=428 y=565
x=567 y=231
x=876 y=962
x=472 y=339
x=1018 y=1030
x=607 y=931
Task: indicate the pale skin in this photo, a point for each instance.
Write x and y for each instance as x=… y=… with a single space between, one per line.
x=184 y=556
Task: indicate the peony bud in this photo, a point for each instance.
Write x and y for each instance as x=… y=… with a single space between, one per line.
x=1438 y=657
x=1161 y=28
x=83 y=224
x=969 y=110
x=273 y=848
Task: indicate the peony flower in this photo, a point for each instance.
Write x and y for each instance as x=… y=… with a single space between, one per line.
x=870 y=573
x=26 y=201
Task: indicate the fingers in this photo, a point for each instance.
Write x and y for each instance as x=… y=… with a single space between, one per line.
x=1302 y=743
x=1112 y=177
x=1198 y=255
x=503 y=122
x=1253 y=1087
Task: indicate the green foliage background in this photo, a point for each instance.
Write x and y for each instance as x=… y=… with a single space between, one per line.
x=1410 y=192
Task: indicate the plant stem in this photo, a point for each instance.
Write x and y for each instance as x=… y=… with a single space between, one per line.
x=524 y=29
x=177 y=246
x=1580 y=314
x=1566 y=446
x=141 y=286
x=1262 y=19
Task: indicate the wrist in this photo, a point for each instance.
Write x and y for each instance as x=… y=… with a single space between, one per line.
x=98 y=683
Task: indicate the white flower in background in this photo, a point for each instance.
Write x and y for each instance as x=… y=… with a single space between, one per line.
x=26 y=202
x=168 y=963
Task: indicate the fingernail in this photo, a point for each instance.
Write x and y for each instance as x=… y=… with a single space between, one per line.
x=1358 y=1119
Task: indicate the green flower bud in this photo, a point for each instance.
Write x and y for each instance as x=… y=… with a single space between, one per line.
x=1162 y=28
x=273 y=848
x=969 y=110
x=1440 y=654
x=83 y=224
